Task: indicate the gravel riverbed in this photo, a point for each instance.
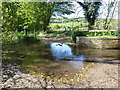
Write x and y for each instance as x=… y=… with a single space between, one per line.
x=99 y=76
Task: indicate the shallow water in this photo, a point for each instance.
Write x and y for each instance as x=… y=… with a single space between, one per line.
x=37 y=57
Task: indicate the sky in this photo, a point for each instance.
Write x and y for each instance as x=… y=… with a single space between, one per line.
x=103 y=11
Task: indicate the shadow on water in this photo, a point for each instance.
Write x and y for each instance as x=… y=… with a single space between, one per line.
x=40 y=58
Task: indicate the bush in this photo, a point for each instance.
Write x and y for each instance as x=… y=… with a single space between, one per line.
x=113 y=33
x=81 y=33
x=56 y=26
x=75 y=27
x=29 y=39
x=74 y=34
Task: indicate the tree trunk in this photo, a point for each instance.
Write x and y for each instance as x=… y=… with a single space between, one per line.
x=91 y=23
x=106 y=23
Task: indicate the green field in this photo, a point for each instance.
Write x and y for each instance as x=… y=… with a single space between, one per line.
x=76 y=24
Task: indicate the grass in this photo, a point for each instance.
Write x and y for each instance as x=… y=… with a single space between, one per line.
x=82 y=23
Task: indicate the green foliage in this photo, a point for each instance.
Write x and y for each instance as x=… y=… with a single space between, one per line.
x=75 y=27
x=90 y=12
x=29 y=39
x=112 y=33
x=28 y=17
x=9 y=15
x=81 y=23
x=74 y=34
x=33 y=15
x=62 y=8
x=56 y=26
x=11 y=37
x=24 y=18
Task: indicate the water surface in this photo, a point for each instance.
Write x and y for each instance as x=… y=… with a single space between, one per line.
x=38 y=58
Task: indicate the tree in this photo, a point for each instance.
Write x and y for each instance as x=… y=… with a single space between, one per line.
x=9 y=15
x=62 y=8
x=90 y=12
x=31 y=16
x=111 y=7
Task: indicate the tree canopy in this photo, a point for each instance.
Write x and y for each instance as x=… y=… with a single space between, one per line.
x=90 y=12
x=32 y=16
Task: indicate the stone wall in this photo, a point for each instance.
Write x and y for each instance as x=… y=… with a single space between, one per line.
x=102 y=43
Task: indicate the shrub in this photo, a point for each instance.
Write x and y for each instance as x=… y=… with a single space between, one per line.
x=29 y=39
x=56 y=26
x=75 y=27
x=74 y=34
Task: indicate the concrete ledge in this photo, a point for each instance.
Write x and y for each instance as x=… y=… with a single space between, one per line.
x=102 y=43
